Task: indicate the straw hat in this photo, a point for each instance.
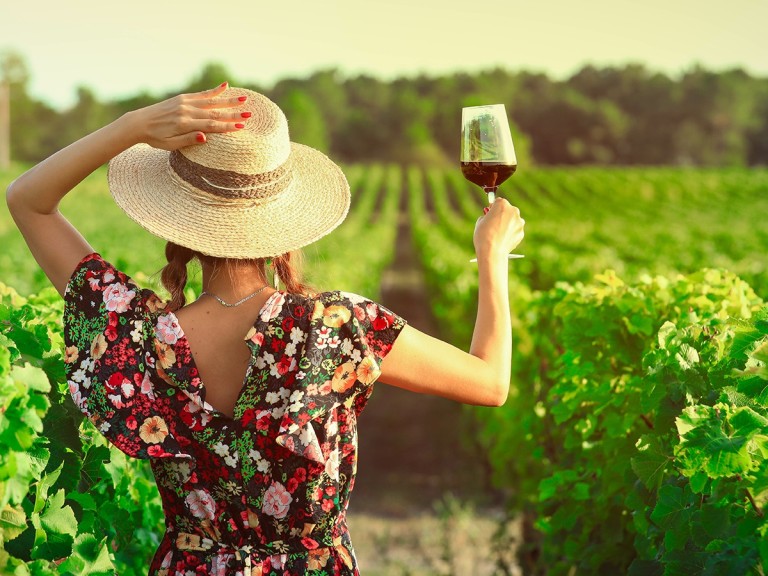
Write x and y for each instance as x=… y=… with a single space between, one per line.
x=246 y=194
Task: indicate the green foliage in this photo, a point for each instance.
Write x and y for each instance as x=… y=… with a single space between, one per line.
x=636 y=412
x=612 y=115
x=640 y=402
x=307 y=125
x=69 y=503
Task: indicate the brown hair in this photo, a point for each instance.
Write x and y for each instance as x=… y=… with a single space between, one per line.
x=287 y=267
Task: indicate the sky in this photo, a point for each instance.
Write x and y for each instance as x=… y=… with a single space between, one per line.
x=120 y=49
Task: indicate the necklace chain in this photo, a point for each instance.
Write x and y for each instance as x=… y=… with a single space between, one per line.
x=227 y=304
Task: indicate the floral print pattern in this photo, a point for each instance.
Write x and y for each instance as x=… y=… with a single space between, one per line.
x=264 y=492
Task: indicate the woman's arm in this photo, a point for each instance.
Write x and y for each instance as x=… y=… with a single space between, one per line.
x=33 y=198
x=427 y=365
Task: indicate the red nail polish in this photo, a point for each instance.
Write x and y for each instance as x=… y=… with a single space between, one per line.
x=238 y=125
x=200 y=137
x=243 y=98
x=245 y=114
x=486 y=210
x=223 y=85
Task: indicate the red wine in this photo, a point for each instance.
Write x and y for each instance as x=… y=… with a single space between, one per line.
x=487 y=174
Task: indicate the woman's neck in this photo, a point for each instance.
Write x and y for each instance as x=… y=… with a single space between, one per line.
x=232 y=284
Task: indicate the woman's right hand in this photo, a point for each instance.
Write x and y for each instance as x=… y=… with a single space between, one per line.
x=184 y=120
x=499 y=230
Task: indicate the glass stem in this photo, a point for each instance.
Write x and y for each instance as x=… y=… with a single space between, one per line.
x=491 y=194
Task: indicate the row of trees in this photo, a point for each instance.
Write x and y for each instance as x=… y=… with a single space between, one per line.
x=614 y=115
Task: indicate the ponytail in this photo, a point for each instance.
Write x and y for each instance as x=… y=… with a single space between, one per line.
x=288 y=269
x=174 y=275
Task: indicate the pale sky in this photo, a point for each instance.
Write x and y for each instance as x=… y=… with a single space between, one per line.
x=121 y=48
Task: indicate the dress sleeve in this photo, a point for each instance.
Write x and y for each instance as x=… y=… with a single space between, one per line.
x=366 y=330
x=107 y=363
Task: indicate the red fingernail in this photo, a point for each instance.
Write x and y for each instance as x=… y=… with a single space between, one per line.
x=486 y=210
x=200 y=137
x=243 y=98
x=238 y=125
x=245 y=114
x=223 y=85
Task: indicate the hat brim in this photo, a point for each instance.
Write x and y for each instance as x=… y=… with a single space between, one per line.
x=316 y=201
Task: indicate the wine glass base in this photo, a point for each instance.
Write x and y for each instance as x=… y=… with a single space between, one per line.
x=509 y=256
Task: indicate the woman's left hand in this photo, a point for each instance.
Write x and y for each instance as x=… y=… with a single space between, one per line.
x=184 y=120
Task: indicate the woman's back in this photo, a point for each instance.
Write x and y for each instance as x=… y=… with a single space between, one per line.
x=268 y=483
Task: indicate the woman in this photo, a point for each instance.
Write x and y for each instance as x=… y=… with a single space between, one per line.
x=245 y=401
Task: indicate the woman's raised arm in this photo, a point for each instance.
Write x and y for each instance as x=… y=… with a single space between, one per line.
x=427 y=365
x=33 y=198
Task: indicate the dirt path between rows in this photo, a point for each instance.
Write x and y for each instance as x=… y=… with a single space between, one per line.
x=422 y=502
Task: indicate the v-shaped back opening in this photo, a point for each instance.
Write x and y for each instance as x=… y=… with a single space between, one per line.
x=202 y=391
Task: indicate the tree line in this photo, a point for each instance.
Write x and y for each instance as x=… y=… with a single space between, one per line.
x=627 y=115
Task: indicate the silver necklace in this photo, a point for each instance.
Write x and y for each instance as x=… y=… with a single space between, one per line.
x=227 y=304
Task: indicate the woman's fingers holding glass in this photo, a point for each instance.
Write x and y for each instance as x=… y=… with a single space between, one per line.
x=500 y=229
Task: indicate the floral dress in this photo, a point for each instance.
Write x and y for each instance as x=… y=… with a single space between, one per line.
x=265 y=492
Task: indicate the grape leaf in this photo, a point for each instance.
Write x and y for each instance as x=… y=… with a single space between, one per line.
x=671 y=509
x=650 y=462
x=89 y=556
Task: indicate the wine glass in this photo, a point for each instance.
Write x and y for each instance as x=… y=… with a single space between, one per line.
x=487 y=153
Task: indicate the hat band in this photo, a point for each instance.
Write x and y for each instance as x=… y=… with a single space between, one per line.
x=230 y=184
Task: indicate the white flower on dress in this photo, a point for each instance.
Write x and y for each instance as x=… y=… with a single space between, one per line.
x=352 y=297
x=332 y=465
x=231 y=460
x=108 y=276
x=290 y=349
x=297 y=335
x=277 y=500
x=307 y=435
x=117 y=297
x=201 y=504
x=78 y=375
x=322 y=337
x=346 y=346
x=262 y=465
x=167 y=329
x=127 y=388
x=295 y=407
x=274 y=307
x=272 y=397
x=117 y=401
x=136 y=332
x=77 y=396
x=221 y=449
x=265 y=360
x=334 y=342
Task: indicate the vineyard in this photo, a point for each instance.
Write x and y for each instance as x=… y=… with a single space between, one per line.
x=635 y=438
